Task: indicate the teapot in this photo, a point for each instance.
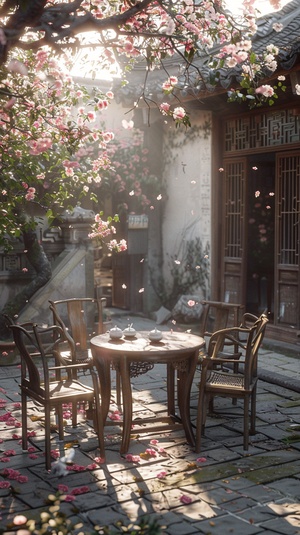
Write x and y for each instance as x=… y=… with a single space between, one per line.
x=115 y=333
x=155 y=335
x=130 y=332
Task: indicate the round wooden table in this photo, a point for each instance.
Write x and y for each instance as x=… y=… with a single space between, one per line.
x=135 y=356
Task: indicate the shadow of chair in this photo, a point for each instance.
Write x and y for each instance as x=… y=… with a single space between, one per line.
x=81 y=318
x=227 y=383
x=52 y=385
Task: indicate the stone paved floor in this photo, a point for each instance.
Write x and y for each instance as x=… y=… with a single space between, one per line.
x=221 y=491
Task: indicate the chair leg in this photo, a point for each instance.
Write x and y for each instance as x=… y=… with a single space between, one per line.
x=98 y=416
x=47 y=438
x=74 y=414
x=246 y=422
x=118 y=387
x=24 y=422
x=59 y=413
x=253 y=412
x=201 y=417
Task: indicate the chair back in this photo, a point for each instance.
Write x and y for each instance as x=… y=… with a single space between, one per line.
x=253 y=344
x=36 y=346
x=81 y=318
x=248 y=339
x=218 y=315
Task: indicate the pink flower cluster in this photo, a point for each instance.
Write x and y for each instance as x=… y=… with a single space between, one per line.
x=14 y=475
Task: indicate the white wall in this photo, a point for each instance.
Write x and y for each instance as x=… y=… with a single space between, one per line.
x=187 y=175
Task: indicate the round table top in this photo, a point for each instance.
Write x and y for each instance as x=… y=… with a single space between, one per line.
x=171 y=342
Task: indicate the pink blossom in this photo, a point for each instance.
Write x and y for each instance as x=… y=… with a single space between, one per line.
x=128 y=125
x=69 y=498
x=99 y=460
x=4 y=484
x=17 y=67
x=201 y=460
x=185 y=499
x=80 y=490
x=178 y=113
x=265 y=90
x=132 y=458
x=162 y=474
x=77 y=468
x=30 y=194
x=151 y=452
x=62 y=488
x=115 y=416
x=92 y=466
x=10 y=452
x=164 y=108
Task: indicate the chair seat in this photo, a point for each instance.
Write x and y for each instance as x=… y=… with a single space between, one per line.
x=69 y=389
x=57 y=389
x=222 y=379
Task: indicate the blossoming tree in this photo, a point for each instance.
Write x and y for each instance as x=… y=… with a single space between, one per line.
x=153 y=31
x=46 y=123
x=42 y=134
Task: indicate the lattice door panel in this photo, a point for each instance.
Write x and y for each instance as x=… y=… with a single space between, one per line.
x=234 y=191
x=287 y=297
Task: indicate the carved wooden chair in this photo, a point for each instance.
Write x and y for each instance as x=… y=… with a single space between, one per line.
x=81 y=318
x=52 y=385
x=218 y=315
x=218 y=382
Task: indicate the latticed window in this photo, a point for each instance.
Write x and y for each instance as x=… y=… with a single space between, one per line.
x=234 y=208
x=289 y=212
x=264 y=130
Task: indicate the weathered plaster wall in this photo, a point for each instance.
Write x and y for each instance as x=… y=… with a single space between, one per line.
x=187 y=175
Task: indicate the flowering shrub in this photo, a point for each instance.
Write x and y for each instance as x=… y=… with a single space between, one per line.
x=133 y=187
x=46 y=121
x=101 y=229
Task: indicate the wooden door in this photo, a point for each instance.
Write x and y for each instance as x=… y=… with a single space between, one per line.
x=234 y=231
x=287 y=241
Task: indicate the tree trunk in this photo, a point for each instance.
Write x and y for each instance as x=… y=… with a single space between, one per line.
x=39 y=261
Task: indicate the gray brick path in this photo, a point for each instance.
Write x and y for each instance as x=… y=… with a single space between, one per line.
x=220 y=491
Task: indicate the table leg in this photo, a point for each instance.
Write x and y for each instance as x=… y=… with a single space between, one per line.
x=184 y=384
x=127 y=404
x=103 y=369
x=171 y=389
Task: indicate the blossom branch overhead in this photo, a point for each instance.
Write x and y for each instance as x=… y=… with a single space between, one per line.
x=148 y=30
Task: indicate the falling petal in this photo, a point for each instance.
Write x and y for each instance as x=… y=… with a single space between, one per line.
x=185 y=499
